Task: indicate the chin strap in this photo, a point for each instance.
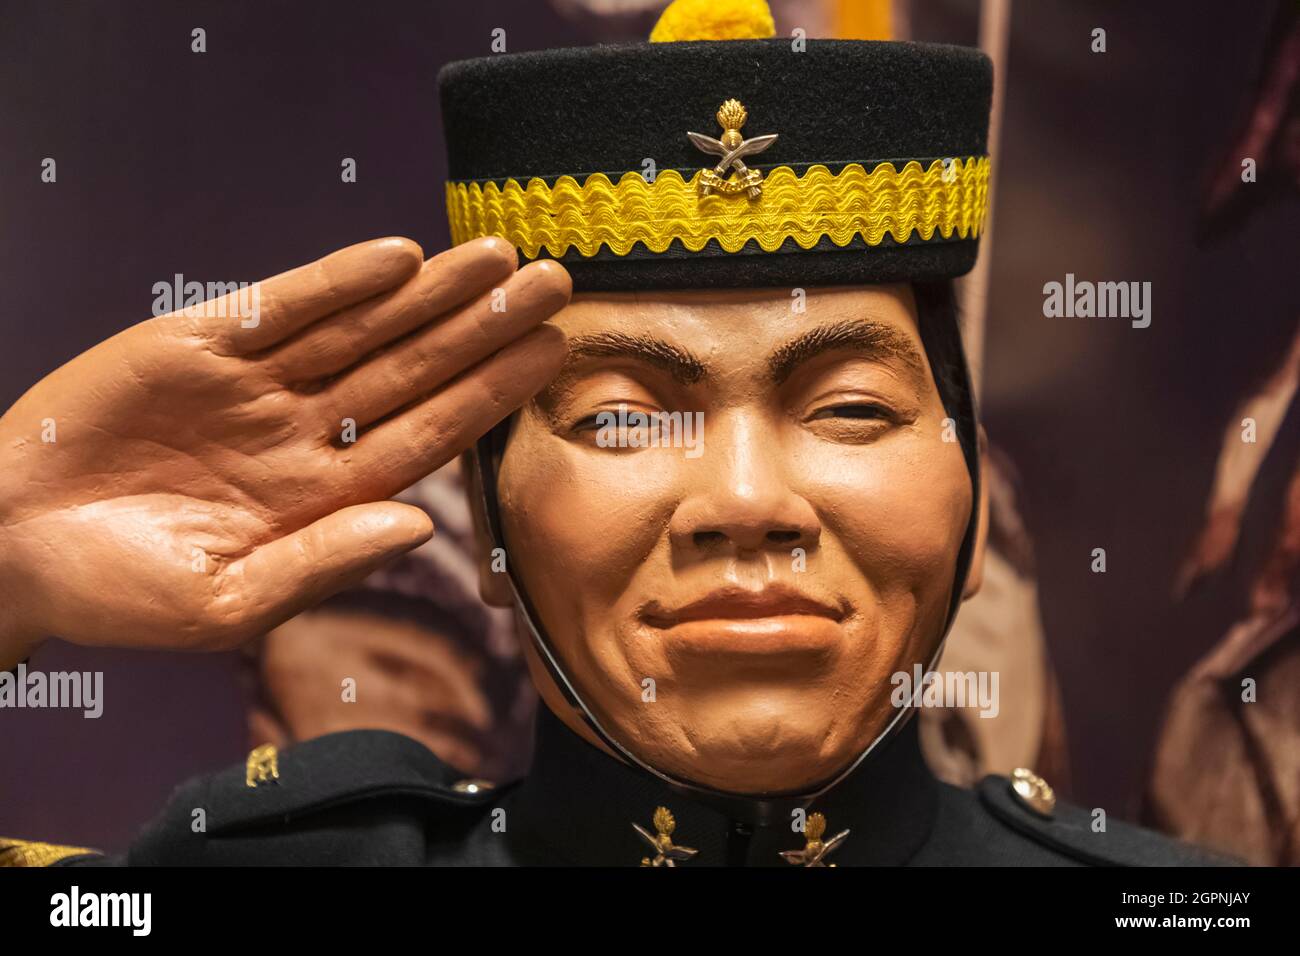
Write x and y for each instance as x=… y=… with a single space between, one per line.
x=756 y=809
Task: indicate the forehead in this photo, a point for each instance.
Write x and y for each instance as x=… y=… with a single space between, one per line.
x=739 y=320
x=751 y=335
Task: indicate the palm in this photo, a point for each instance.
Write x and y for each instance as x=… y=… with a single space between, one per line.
x=192 y=482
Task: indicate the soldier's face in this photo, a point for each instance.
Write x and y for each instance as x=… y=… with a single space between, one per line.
x=733 y=602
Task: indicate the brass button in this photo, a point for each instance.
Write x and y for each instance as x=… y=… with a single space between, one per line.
x=473 y=786
x=1033 y=791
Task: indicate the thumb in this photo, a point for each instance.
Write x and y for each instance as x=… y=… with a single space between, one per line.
x=301 y=569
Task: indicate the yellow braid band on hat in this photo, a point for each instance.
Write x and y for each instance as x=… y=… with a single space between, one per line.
x=948 y=198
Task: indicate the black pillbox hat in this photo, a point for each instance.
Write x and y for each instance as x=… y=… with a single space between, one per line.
x=877 y=173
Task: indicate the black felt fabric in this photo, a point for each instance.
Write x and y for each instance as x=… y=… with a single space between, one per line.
x=369 y=798
x=803 y=269
x=609 y=108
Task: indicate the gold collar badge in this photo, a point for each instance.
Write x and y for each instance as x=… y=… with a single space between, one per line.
x=816 y=851
x=732 y=147
x=666 y=852
x=263 y=766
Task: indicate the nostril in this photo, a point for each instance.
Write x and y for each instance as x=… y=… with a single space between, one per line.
x=784 y=537
x=708 y=539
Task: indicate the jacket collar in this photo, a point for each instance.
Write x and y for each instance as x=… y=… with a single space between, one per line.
x=578 y=804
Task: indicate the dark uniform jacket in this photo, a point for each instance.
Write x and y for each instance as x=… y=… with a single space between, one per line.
x=374 y=797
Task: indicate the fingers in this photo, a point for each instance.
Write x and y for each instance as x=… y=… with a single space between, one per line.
x=273 y=309
x=297 y=571
x=416 y=365
x=399 y=452
x=446 y=281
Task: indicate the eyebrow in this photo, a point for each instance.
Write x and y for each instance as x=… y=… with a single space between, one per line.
x=873 y=339
x=681 y=365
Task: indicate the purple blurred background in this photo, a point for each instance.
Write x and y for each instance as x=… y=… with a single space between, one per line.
x=225 y=166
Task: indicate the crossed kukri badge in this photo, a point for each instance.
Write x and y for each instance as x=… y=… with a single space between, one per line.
x=732 y=147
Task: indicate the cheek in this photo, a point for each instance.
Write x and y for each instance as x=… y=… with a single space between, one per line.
x=899 y=509
x=580 y=524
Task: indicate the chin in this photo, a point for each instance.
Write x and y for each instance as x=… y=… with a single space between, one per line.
x=756 y=745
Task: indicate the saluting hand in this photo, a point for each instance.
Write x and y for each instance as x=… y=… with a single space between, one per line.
x=199 y=478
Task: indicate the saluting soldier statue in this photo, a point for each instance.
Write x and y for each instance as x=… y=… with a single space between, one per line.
x=714 y=617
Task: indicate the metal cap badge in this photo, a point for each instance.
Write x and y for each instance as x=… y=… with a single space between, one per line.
x=732 y=146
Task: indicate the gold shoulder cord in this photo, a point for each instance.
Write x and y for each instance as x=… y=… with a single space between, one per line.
x=947 y=198
x=30 y=853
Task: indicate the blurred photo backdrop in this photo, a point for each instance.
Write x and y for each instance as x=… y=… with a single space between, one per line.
x=1119 y=159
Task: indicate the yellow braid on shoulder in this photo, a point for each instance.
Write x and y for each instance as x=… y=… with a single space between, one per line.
x=33 y=853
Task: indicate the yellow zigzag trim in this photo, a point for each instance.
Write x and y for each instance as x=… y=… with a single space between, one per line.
x=842 y=205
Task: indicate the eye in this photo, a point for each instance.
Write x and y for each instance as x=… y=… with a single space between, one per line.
x=623 y=427
x=853 y=422
x=609 y=418
x=858 y=411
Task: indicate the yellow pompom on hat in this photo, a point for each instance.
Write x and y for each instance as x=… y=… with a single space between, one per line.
x=714 y=20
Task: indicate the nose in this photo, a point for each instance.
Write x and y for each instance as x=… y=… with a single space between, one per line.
x=741 y=501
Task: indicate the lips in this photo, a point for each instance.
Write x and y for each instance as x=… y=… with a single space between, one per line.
x=772 y=626
x=737 y=604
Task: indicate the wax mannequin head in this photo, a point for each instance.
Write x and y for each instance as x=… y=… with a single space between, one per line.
x=770 y=579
